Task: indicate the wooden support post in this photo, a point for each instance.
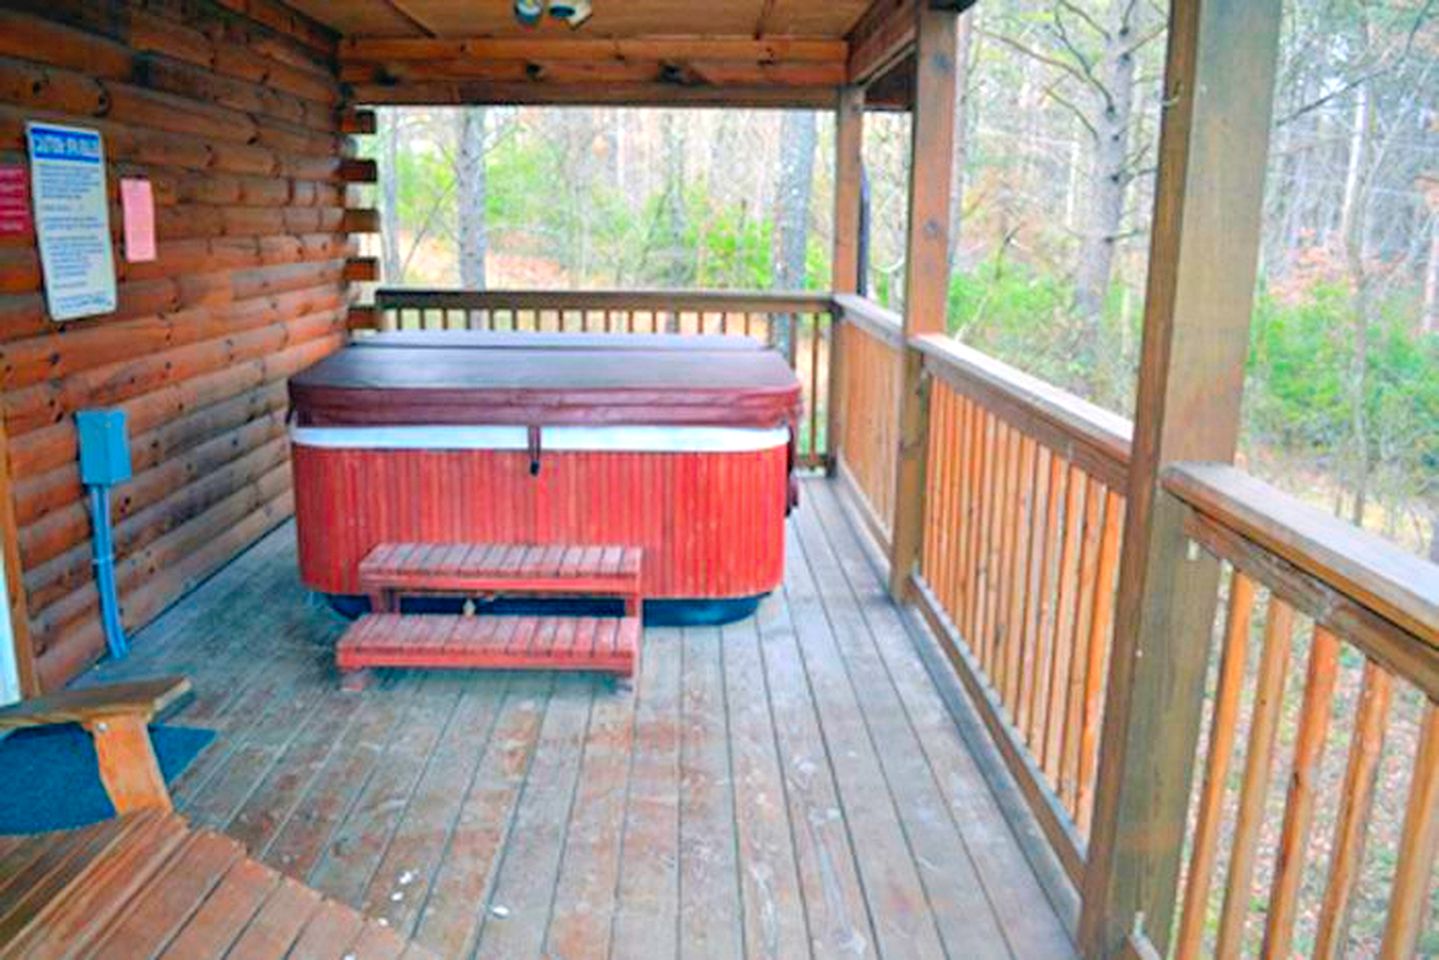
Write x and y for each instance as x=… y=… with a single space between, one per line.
x=926 y=271
x=128 y=767
x=848 y=173
x=844 y=272
x=14 y=578
x=1203 y=259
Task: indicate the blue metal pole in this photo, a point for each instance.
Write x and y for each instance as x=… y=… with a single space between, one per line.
x=105 y=572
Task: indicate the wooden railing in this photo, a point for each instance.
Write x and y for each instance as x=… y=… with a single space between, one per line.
x=799 y=324
x=871 y=342
x=1023 y=509
x=1325 y=877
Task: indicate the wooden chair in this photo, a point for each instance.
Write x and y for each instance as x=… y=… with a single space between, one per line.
x=145 y=883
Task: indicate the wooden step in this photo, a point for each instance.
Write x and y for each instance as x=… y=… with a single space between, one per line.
x=602 y=570
x=601 y=644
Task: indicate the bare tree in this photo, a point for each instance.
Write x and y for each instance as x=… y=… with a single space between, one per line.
x=471 y=181
x=798 y=136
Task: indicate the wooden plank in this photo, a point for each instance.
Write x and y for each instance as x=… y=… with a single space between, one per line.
x=143 y=699
x=646 y=910
x=773 y=914
x=1370 y=570
x=710 y=899
x=584 y=900
x=1030 y=926
x=892 y=884
x=529 y=870
x=452 y=915
x=1219 y=79
x=834 y=900
x=403 y=881
x=962 y=911
x=345 y=869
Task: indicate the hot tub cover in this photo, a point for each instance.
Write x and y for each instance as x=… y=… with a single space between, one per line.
x=527 y=340
x=435 y=386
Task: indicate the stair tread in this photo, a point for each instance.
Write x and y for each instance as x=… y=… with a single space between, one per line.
x=500 y=563
x=418 y=640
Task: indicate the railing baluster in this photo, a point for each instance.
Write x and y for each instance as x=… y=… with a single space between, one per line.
x=1299 y=804
x=1409 y=903
x=1223 y=730
x=1258 y=769
x=1101 y=639
x=1356 y=802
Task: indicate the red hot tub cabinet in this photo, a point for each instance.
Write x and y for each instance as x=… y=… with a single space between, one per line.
x=686 y=453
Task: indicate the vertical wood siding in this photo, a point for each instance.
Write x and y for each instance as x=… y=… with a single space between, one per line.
x=230 y=109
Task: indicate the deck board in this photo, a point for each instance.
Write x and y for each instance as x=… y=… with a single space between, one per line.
x=793 y=784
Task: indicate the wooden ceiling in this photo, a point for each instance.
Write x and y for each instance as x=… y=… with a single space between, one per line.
x=779 y=53
x=831 y=19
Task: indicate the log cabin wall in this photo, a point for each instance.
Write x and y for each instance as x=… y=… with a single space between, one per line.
x=231 y=110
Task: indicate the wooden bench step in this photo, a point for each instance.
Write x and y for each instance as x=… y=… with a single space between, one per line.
x=602 y=644
x=501 y=568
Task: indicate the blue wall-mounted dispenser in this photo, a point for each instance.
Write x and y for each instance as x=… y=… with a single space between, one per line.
x=104 y=462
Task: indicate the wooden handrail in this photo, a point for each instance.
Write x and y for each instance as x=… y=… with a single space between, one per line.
x=1096 y=439
x=1369 y=569
x=732 y=301
x=886 y=325
x=1368 y=590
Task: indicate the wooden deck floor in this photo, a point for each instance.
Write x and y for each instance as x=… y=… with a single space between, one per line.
x=791 y=785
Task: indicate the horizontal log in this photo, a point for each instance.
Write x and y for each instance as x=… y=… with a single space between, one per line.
x=363 y=318
x=355 y=170
x=63 y=527
x=64 y=352
x=67 y=654
x=59 y=487
x=362 y=269
x=44 y=450
x=361 y=221
x=131 y=571
x=69 y=569
x=286 y=20
x=24 y=315
x=358 y=121
x=44 y=41
x=45 y=404
x=37 y=87
x=134 y=142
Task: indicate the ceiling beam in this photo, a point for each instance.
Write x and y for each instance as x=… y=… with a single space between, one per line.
x=883 y=36
x=594 y=50
x=633 y=94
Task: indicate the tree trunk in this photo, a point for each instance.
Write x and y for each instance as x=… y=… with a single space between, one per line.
x=1354 y=174
x=1110 y=176
x=470 y=182
x=1354 y=233
x=1431 y=279
x=798 y=134
x=391 y=270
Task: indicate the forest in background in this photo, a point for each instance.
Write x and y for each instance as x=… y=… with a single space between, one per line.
x=1055 y=160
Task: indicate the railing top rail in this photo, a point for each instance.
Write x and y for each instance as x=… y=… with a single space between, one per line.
x=879 y=321
x=1099 y=439
x=1367 y=569
x=717 y=301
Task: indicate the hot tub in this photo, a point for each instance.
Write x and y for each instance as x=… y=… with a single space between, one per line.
x=685 y=452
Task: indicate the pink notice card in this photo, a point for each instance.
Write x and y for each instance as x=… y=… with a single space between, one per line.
x=138 y=204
